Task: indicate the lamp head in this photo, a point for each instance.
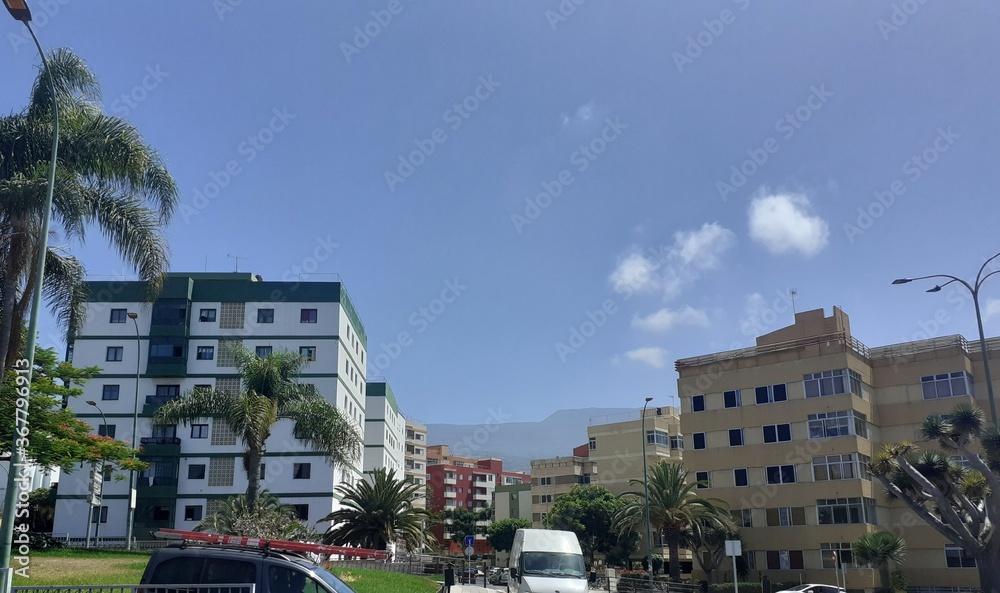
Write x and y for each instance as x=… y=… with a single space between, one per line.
x=901 y=280
x=937 y=288
x=132 y=315
x=18 y=9
x=649 y=399
x=91 y=402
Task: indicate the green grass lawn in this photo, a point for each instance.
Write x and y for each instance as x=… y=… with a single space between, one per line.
x=377 y=581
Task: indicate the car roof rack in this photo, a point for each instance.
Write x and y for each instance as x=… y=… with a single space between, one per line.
x=268 y=545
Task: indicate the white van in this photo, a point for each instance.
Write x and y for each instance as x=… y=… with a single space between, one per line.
x=546 y=561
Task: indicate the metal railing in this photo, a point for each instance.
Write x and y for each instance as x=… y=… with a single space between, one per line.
x=169 y=588
x=836 y=337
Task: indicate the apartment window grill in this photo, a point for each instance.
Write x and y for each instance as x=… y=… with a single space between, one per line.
x=228 y=385
x=222 y=433
x=227 y=353
x=232 y=316
x=221 y=470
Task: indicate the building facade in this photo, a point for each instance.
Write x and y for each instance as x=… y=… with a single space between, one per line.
x=181 y=341
x=551 y=478
x=415 y=459
x=783 y=432
x=385 y=429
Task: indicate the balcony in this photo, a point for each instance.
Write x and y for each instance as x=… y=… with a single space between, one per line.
x=160 y=446
x=450 y=494
x=482 y=496
x=160 y=488
x=450 y=480
x=155 y=401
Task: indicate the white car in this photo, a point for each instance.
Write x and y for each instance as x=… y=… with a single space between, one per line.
x=814 y=589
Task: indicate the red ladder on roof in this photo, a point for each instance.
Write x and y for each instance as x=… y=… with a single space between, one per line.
x=271 y=544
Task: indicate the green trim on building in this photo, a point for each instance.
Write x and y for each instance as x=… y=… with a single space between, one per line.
x=382 y=389
x=223 y=337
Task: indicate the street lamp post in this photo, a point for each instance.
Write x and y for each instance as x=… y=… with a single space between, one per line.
x=135 y=421
x=100 y=492
x=645 y=488
x=974 y=290
x=19 y=10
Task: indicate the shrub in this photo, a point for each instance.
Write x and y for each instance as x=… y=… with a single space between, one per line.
x=728 y=588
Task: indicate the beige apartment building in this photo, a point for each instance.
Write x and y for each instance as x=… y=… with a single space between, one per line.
x=415 y=458
x=551 y=478
x=783 y=432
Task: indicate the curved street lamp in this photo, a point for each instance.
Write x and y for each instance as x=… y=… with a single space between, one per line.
x=19 y=10
x=135 y=420
x=100 y=492
x=974 y=290
x=645 y=489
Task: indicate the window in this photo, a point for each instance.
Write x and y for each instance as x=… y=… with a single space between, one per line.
x=307 y=316
x=741 y=477
x=103 y=513
x=199 y=431
x=264 y=351
x=545 y=498
x=206 y=315
x=114 y=353
x=845 y=511
x=119 y=315
x=265 y=315
x=953 y=555
x=732 y=398
x=784 y=560
x=307 y=352
x=657 y=437
x=698 y=403
x=263 y=470
x=781 y=474
x=161 y=513
x=110 y=392
x=828 y=383
x=836 y=555
x=699 y=440
x=767 y=394
x=106 y=430
x=546 y=481
x=785 y=516
x=778 y=433
x=947 y=385
x=196 y=471
x=847 y=466
x=703 y=479
x=592 y=442
x=735 y=437
x=169 y=312
x=301 y=471
x=747 y=517
x=837 y=424
x=206 y=352
x=677 y=442
x=193 y=512
x=167 y=349
x=301 y=511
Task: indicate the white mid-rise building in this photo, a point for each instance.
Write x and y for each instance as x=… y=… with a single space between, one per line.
x=384 y=429
x=178 y=342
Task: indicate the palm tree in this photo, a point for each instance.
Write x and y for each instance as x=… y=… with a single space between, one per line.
x=269 y=394
x=267 y=519
x=707 y=541
x=878 y=549
x=378 y=511
x=106 y=177
x=674 y=507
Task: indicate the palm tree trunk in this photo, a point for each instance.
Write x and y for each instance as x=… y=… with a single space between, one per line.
x=251 y=463
x=9 y=300
x=674 y=545
x=883 y=574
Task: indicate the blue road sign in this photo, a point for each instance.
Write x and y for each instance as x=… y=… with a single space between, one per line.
x=470 y=540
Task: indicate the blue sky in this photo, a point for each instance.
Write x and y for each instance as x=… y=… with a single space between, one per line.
x=563 y=168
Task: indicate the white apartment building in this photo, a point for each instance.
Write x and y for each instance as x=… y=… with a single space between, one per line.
x=384 y=429
x=415 y=461
x=178 y=342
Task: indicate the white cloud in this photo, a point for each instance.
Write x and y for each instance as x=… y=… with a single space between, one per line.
x=655 y=357
x=751 y=323
x=584 y=114
x=784 y=223
x=991 y=309
x=664 y=320
x=672 y=268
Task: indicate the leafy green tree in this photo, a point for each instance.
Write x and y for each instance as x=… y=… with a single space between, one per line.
x=267 y=518
x=269 y=393
x=707 y=542
x=378 y=511
x=587 y=511
x=107 y=177
x=463 y=521
x=42 y=510
x=878 y=549
x=674 y=507
x=960 y=503
x=500 y=534
x=58 y=438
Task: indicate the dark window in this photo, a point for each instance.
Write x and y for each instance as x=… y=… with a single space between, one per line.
x=166 y=350
x=301 y=471
x=199 y=431
x=192 y=512
x=767 y=394
x=780 y=474
x=224 y=570
x=784 y=559
x=741 y=477
x=307 y=352
x=592 y=443
x=206 y=352
x=106 y=430
x=110 y=392
x=732 y=398
x=207 y=315
x=703 y=479
x=699 y=440
x=955 y=557
x=119 y=315
x=196 y=471
x=263 y=470
x=735 y=437
x=307 y=316
x=94 y=512
x=286 y=579
x=162 y=513
x=301 y=511
x=169 y=312
x=698 y=403
x=114 y=353
x=263 y=351
x=185 y=569
x=777 y=433
x=265 y=315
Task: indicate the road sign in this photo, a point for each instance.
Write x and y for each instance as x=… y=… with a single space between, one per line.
x=733 y=547
x=470 y=540
x=470 y=551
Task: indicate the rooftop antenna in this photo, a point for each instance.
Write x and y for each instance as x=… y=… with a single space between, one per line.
x=793 y=292
x=237 y=258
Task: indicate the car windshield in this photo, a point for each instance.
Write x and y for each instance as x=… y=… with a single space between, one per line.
x=552 y=564
x=800 y=588
x=327 y=577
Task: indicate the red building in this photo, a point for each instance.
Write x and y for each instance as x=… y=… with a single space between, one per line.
x=464 y=483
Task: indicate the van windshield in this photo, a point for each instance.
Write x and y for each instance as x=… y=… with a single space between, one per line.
x=552 y=564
